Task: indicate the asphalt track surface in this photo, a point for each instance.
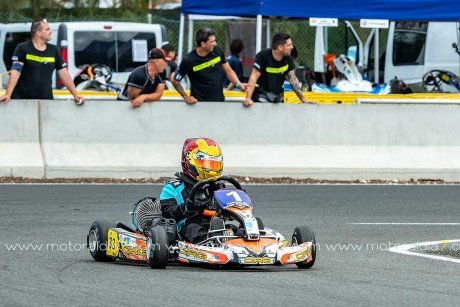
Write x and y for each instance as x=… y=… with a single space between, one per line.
x=353 y=267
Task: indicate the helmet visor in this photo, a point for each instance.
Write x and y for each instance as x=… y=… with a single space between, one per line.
x=208 y=162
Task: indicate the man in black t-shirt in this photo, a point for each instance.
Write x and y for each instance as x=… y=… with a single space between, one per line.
x=33 y=65
x=203 y=67
x=146 y=82
x=271 y=66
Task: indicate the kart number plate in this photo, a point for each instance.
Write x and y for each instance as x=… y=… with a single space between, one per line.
x=113 y=245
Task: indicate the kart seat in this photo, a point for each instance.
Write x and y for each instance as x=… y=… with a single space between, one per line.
x=126 y=226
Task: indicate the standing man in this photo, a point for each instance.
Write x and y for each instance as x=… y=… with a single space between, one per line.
x=33 y=65
x=203 y=66
x=271 y=66
x=146 y=82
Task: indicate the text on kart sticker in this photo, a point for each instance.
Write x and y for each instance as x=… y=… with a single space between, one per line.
x=257 y=260
x=188 y=252
x=303 y=254
x=131 y=250
x=238 y=204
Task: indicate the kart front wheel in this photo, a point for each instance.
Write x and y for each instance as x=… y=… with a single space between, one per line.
x=158 y=253
x=260 y=224
x=304 y=234
x=97 y=240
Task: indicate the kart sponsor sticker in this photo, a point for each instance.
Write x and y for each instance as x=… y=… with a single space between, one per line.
x=113 y=245
x=257 y=260
x=132 y=247
x=233 y=198
x=192 y=253
x=303 y=255
x=134 y=252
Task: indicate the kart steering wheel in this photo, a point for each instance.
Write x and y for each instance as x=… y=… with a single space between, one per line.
x=437 y=77
x=212 y=181
x=433 y=77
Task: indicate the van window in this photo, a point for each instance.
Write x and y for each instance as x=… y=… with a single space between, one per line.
x=111 y=48
x=12 y=39
x=409 y=43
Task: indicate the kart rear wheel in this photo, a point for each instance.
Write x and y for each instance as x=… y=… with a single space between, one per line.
x=97 y=240
x=304 y=234
x=158 y=253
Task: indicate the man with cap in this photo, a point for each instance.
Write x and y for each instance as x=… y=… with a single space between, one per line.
x=145 y=83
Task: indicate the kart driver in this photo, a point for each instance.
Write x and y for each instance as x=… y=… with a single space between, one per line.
x=201 y=159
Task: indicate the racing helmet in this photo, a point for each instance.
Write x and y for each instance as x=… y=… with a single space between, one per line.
x=202 y=158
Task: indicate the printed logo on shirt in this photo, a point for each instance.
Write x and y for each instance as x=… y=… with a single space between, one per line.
x=40 y=59
x=206 y=64
x=277 y=70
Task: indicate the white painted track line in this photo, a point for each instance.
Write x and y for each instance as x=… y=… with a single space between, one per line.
x=404 y=249
x=410 y=224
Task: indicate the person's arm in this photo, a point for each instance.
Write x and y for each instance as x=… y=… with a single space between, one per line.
x=255 y=74
x=232 y=77
x=179 y=74
x=140 y=99
x=292 y=78
x=68 y=83
x=188 y=99
x=237 y=67
x=170 y=205
x=12 y=82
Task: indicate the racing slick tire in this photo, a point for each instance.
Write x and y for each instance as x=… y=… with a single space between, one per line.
x=157 y=249
x=304 y=234
x=97 y=240
x=260 y=224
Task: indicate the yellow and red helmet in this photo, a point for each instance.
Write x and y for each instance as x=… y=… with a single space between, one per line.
x=202 y=158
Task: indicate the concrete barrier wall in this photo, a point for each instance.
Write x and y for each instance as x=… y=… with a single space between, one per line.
x=111 y=139
x=20 y=153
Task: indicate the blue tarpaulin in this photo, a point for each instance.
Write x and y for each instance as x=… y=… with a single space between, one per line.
x=429 y=10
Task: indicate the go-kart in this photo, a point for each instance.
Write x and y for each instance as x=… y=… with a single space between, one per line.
x=235 y=236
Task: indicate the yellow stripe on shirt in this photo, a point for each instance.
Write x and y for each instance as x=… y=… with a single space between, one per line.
x=277 y=70
x=40 y=59
x=206 y=64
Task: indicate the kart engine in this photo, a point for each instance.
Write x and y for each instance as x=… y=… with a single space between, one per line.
x=144 y=212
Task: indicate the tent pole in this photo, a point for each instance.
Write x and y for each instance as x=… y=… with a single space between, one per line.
x=259 y=33
x=269 y=34
x=190 y=35
x=181 y=38
x=376 y=56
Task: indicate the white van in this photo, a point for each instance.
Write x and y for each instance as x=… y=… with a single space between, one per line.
x=120 y=45
x=412 y=49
